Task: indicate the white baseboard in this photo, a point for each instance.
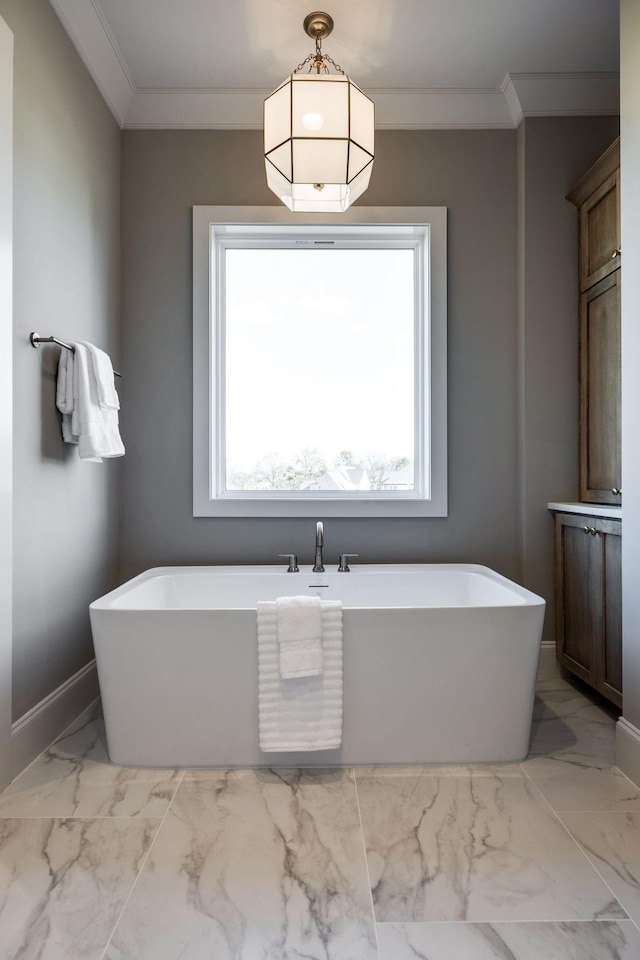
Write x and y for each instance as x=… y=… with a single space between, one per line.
x=548 y=666
x=628 y=749
x=40 y=726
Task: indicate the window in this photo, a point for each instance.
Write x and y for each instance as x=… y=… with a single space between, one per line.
x=317 y=365
x=319 y=362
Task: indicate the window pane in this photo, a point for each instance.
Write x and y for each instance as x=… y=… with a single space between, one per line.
x=319 y=371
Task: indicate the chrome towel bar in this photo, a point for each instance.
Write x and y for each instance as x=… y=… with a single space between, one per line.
x=36 y=340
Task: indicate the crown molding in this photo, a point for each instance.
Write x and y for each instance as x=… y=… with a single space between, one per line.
x=242 y=109
x=424 y=108
x=512 y=101
x=519 y=96
x=562 y=94
x=99 y=52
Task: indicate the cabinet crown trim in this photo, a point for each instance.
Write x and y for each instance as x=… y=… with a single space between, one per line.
x=604 y=167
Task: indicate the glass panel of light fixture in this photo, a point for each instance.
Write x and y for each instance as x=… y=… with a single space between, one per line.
x=281 y=158
x=359 y=184
x=320 y=161
x=307 y=198
x=320 y=106
x=358 y=160
x=362 y=116
x=277 y=117
x=280 y=186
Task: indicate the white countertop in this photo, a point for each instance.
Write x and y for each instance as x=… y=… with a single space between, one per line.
x=589 y=509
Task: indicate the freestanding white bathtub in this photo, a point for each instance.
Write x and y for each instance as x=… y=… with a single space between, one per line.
x=440 y=664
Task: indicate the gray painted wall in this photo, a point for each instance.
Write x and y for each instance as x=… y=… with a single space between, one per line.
x=164 y=173
x=66 y=283
x=553 y=153
x=630 y=196
x=512 y=348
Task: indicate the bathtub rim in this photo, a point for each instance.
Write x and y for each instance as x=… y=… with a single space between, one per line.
x=105 y=603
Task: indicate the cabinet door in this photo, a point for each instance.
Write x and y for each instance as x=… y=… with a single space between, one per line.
x=609 y=660
x=577 y=582
x=600 y=474
x=600 y=232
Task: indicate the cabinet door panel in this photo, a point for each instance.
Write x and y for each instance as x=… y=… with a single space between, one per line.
x=600 y=233
x=611 y=680
x=600 y=392
x=575 y=596
x=589 y=600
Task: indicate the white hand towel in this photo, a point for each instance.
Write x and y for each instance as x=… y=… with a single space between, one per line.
x=64 y=394
x=105 y=380
x=96 y=429
x=303 y=714
x=299 y=623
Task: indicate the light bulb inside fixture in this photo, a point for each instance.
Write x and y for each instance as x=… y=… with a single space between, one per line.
x=312 y=121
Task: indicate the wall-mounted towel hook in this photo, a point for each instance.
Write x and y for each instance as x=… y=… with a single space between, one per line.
x=36 y=340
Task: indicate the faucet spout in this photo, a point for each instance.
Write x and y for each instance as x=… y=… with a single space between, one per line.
x=318 y=566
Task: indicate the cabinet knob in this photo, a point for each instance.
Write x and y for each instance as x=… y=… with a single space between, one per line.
x=591 y=530
x=616 y=491
x=616 y=253
x=586 y=529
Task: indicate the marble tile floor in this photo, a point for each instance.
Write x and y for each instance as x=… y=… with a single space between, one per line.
x=518 y=861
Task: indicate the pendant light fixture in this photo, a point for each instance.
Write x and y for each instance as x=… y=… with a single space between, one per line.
x=318 y=133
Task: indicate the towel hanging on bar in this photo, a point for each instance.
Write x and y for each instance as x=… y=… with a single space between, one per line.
x=36 y=340
x=87 y=399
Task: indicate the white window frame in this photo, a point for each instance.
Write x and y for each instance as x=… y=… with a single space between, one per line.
x=212 y=229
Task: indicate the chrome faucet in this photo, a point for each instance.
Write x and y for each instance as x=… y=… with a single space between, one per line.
x=318 y=566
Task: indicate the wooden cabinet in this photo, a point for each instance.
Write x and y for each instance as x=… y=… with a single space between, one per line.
x=589 y=600
x=600 y=442
x=588 y=554
x=600 y=251
x=598 y=201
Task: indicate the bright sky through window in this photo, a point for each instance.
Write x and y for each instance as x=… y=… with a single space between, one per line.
x=319 y=368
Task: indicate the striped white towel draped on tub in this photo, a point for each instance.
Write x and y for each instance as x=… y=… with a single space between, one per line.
x=304 y=713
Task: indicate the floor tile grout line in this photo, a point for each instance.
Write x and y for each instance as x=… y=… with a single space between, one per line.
x=142 y=866
x=98 y=783
x=112 y=785
x=635 y=922
x=86 y=784
x=366 y=863
x=605 y=813
x=579 y=846
x=474 y=923
x=75 y=816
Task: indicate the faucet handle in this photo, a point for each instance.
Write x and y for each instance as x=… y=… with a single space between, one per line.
x=344 y=566
x=293 y=562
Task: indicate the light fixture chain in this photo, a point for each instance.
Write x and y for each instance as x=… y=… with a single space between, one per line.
x=334 y=64
x=313 y=59
x=311 y=56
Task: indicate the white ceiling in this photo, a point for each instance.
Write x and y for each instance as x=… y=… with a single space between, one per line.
x=426 y=63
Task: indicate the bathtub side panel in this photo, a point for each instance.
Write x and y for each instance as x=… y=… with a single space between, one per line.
x=440 y=686
x=179 y=688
